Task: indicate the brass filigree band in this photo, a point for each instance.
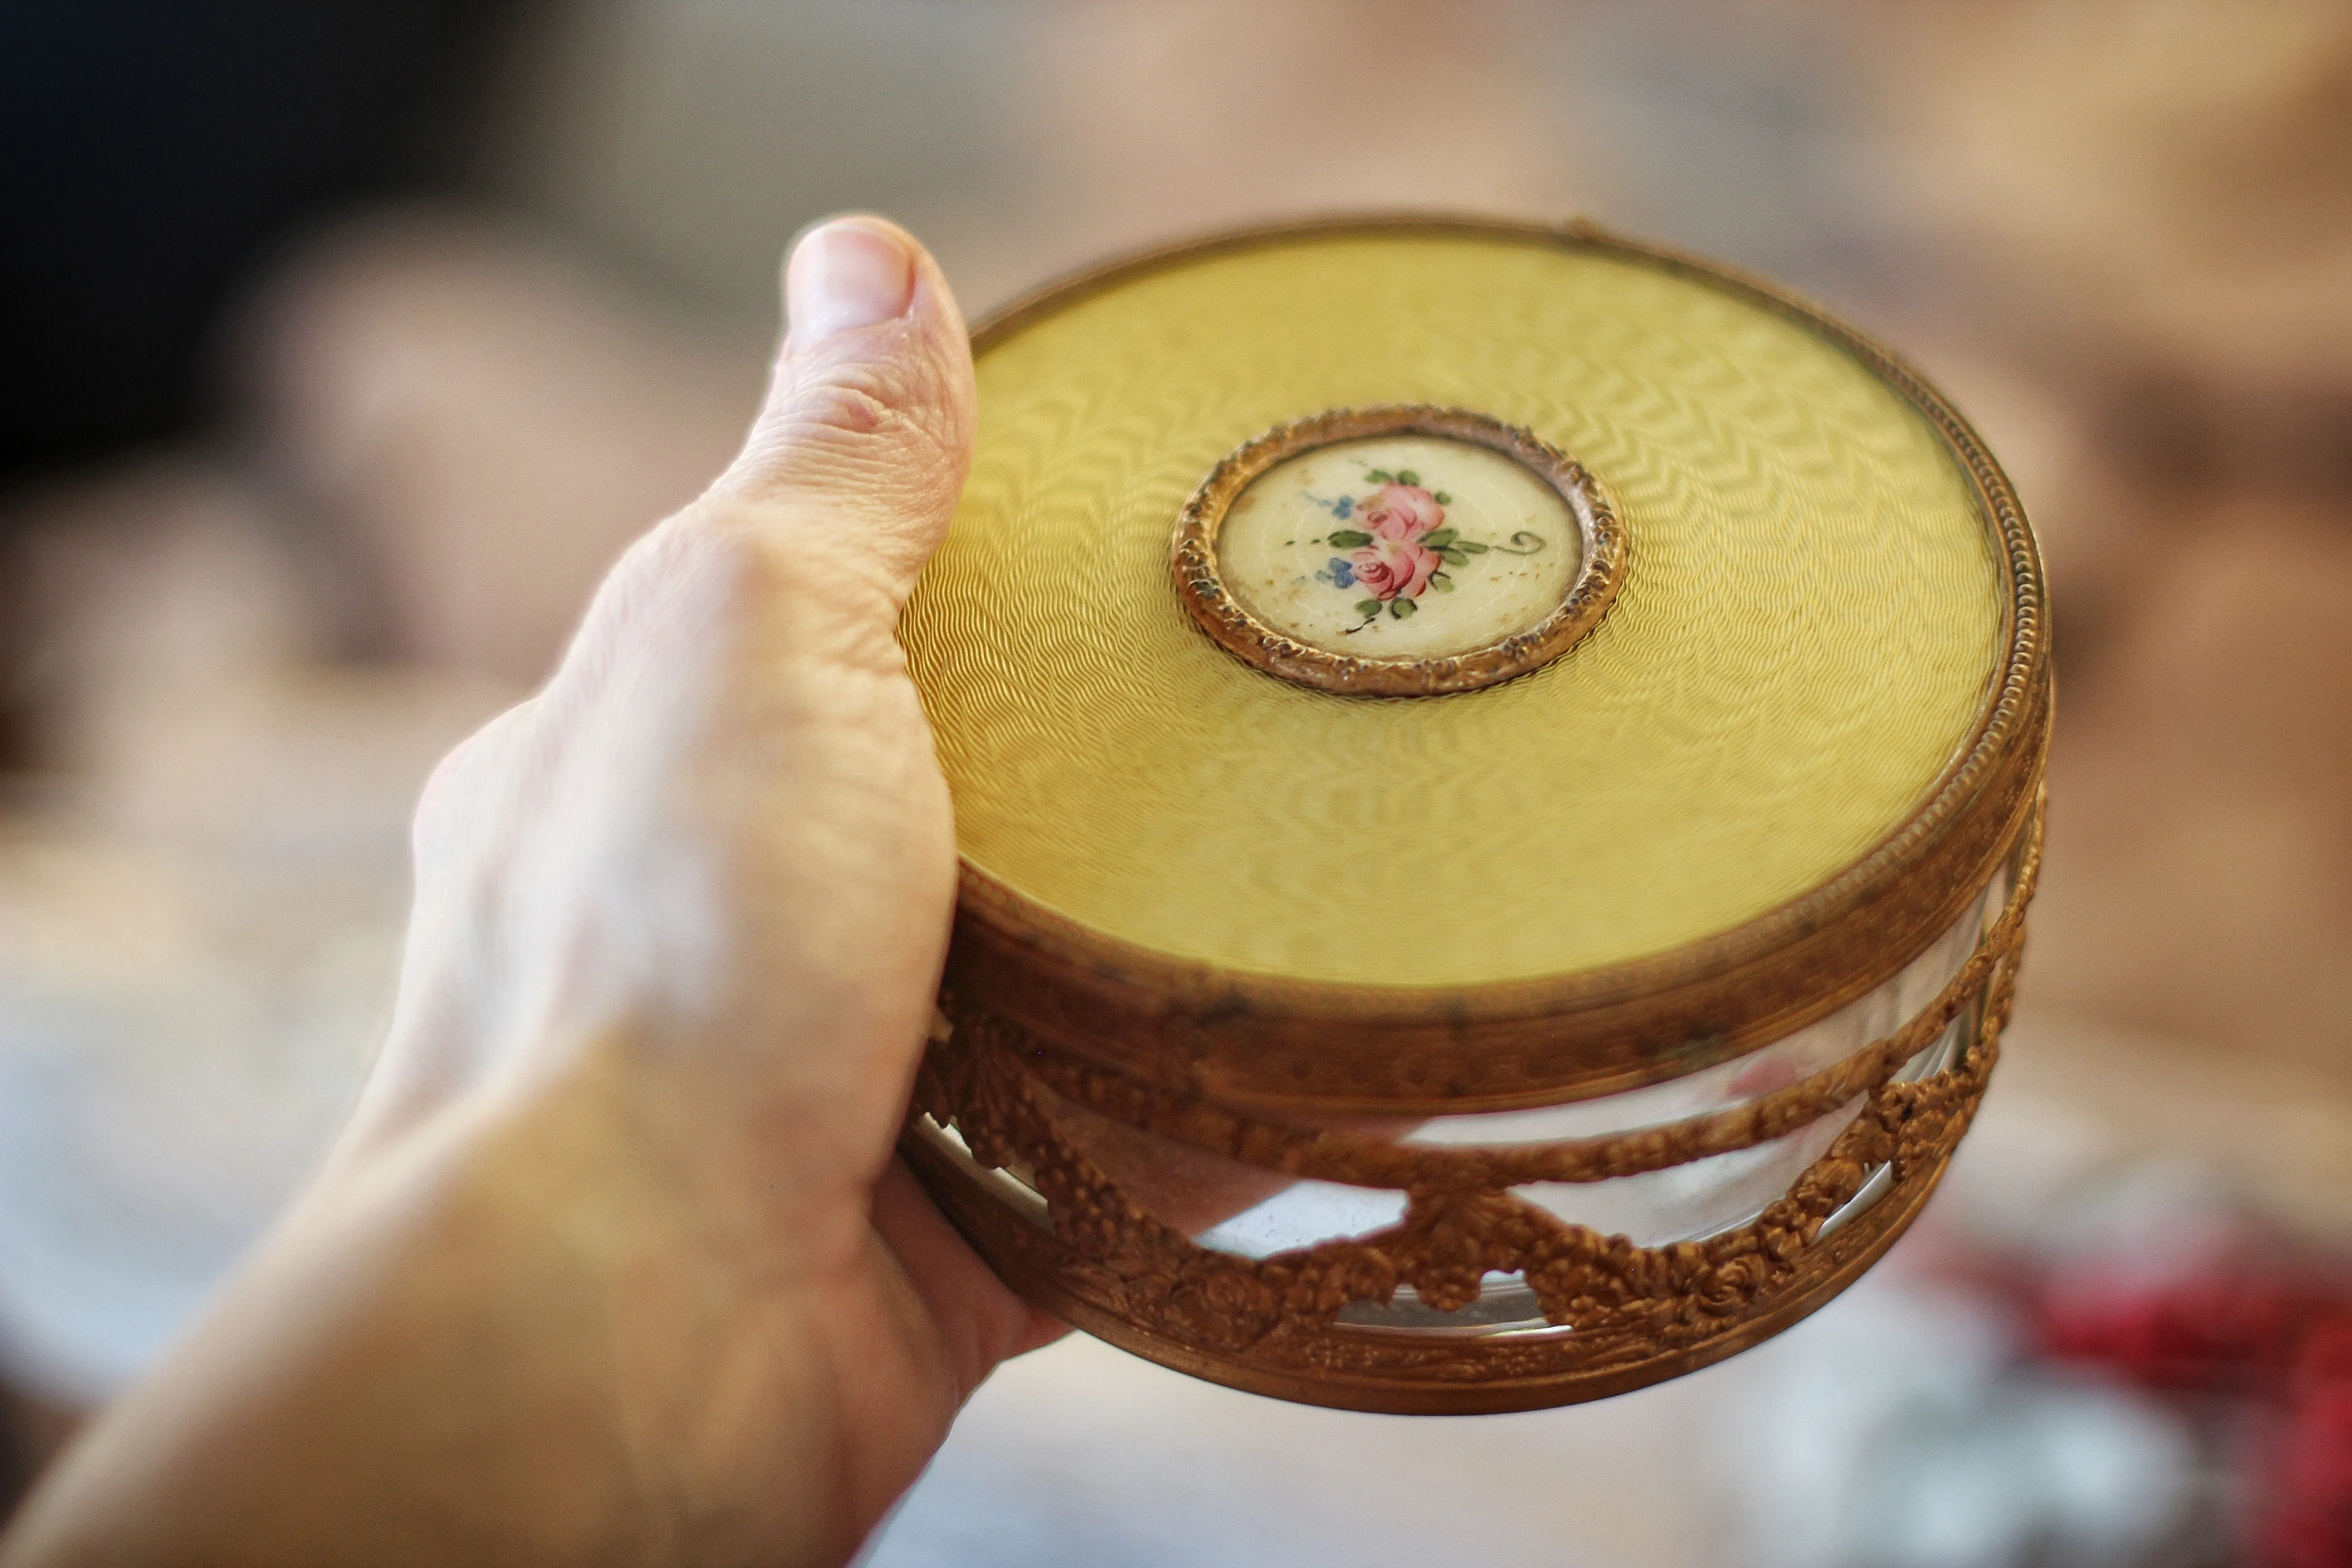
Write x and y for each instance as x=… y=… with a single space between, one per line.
x=1202 y=587
x=1635 y=1315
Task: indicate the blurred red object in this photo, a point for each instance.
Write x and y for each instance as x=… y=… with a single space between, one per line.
x=2306 y=1518
x=2278 y=1336
x=2224 y=1331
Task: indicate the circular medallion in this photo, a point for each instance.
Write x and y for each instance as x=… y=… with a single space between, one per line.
x=1401 y=551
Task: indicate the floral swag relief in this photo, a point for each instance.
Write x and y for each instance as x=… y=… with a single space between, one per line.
x=1007 y=1095
x=1403 y=547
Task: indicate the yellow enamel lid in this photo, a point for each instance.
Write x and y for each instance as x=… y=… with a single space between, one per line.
x=1817 y=613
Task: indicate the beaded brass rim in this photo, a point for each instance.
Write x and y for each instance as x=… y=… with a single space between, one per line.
x=1200 y=583
x=1273 y=1043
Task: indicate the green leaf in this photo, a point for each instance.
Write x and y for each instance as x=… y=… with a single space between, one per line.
x=1444 y=500
x=1441 y=582
x=1455 y=557
x=1380 y=476
x=1347 y=538
x=1407 y=476
x=1401 y=607
x=1439 y=537
x=1367 y=608
x=1472 y=545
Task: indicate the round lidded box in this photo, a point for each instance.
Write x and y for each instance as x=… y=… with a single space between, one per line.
x=1498 y=774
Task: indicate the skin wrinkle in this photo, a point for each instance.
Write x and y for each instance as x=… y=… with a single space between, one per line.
x=896 y=406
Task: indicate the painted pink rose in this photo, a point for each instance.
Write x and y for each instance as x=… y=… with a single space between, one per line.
x=1402 y=513
x=1392 y=568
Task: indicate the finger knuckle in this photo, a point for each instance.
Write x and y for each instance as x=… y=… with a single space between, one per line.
x=899 y=407
x=452 y=792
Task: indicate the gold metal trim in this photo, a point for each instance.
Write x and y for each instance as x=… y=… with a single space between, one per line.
x=1461 y=1377
x=1324 y=1153
x=1632 y=1315
x=1193 y=557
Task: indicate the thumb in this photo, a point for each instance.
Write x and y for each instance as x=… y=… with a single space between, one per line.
x=866 y=430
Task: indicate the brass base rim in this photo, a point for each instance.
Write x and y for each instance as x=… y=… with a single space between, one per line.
x=1024 y=1257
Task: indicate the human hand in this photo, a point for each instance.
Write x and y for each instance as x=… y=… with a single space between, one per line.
x=614 y=1262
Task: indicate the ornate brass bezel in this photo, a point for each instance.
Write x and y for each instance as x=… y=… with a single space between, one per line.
x=1272 y=1043
x=1632 y=1315
x=1193 y=557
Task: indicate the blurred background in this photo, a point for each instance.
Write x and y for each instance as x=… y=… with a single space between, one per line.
x=344 y=345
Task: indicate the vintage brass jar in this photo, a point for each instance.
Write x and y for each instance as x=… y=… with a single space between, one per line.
x=1499 y=774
